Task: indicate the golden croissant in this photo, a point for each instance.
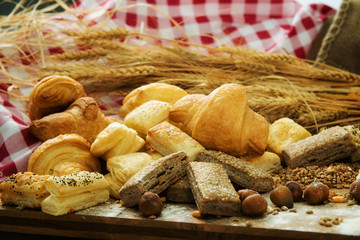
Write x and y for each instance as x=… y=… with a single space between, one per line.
x=83 y=117
x=222 y=120
x=62 y=155
x=53 y=94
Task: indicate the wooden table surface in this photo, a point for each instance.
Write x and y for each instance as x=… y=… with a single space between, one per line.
x=113 y=221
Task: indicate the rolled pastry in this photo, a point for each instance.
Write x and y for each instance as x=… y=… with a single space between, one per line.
x=74 y=192
x=53 y=94
x=62 y=155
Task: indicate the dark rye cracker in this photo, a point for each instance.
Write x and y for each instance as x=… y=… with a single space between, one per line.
x=329 y=145
x=155 y=177
x=239 y=171
x=180 y=191
x=212 y=189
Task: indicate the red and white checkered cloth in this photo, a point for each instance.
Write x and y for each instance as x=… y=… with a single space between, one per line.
x=268 y=25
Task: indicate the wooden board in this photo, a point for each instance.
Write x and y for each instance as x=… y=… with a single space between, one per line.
x=111 y=220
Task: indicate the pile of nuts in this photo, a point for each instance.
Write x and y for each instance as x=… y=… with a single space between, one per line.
x=336 y=175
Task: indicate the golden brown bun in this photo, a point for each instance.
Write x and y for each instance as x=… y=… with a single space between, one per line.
x=83 y=117
x=154 y=91
x=24 y=189
x=62 y=155
x=166 y=139
x=53 y=94
x=74 y=192
x=222 y=120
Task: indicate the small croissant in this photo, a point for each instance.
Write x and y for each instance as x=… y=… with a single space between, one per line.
x=222 y=120
x=83 y=117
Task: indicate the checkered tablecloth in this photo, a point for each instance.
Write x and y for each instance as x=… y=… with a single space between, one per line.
x=268 y=25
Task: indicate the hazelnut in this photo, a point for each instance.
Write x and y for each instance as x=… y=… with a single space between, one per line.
x=254 y=205
x=150 y=204
x=296 y=190
x=355 y=190
x=316 y=193
x=282 y=196
x=244 y=193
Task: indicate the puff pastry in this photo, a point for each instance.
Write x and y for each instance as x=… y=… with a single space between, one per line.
x=122 y=168
x=268 y=162
x=222 y=121
x=153 y=91
x=53 y=94
x=166 y=139
x=147 y=115
x=284 y=132
x=116 y=139
x=83 y=117
x=62 y=155
x=74 y=192
x=24 y=189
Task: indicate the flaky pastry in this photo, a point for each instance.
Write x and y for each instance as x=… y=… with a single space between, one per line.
x=147 y=115
x=222 y=120
x=83 y=117
x=24 y=189
x=116 y=139
x=74 y=192
x=153 y=91
x=122 y=168
x=53 y=94
x=284 y=132
x=166 y=139
x=62 y=155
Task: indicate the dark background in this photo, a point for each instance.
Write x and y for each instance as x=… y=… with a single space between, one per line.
x=8 y=5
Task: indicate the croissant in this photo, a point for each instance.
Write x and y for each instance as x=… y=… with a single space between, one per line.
x=154 y=91
x=53 y=94
x=62 y=155
x=222 y=120
x=83 y=117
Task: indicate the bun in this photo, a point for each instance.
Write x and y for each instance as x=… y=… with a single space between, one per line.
x=154 y=91
x=222 y=121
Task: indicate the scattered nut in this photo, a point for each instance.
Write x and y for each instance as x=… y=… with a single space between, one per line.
x=150 y=204
x=284 y=208
x=282 y=196
x=309 y=212
x=316 y=193
x=196 y=214
x=243 y=193
x=355 y=190
x=293 y=210
x=296 y=190
x=254 y=205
